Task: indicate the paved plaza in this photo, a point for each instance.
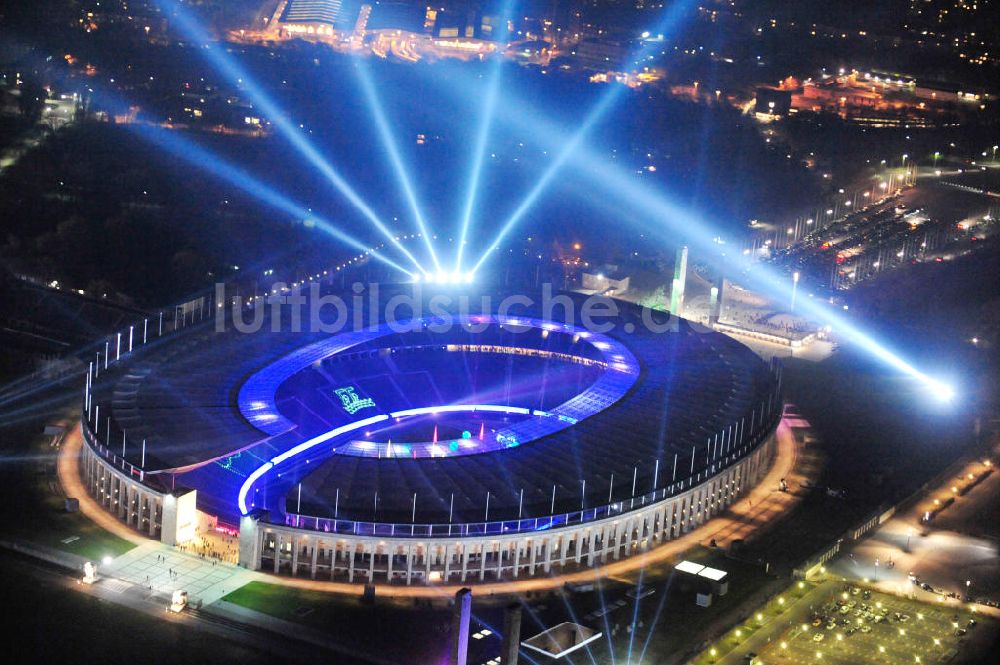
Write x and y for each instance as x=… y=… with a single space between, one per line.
x=163 y=570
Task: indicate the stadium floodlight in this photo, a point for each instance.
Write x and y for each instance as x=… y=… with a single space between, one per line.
x=640 y=204
x=240 y=77
x=391 y=146
x=570 y=146
x=482 y=137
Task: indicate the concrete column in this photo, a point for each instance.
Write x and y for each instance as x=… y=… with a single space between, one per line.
x=277 y=551
x=482 y=561
x=133 y=501
x=427 y=562
x=622 y=528
x=409 y=564
x=296 y=544
x=548 y=555
x=511 y=635
x=152 y=515
x=388 y=570
x=533 y=557
x=250 y=543
x=447 y=562
x=371 y=563
x=312 y=563
x=461 y=614
x=517 y=557
x=465 y=559
x=145 y=508
x=350 y=560
x=120 y=495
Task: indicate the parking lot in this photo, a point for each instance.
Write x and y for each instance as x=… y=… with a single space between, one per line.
x=858 y=625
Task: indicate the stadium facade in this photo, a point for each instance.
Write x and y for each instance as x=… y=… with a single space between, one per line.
x=452 y=447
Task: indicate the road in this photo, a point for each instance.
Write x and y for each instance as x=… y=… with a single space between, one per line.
x=946 y=558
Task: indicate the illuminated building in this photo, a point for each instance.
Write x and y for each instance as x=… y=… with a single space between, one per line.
x=450 y=24
x=317 y=17
x=312 y=11
x=498 y=447
x=599 y=54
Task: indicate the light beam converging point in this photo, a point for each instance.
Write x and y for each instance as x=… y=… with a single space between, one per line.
x=240 y=78
x=608 y=178
x=445 y=278
x=391 y=146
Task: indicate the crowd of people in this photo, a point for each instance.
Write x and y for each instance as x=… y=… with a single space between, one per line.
x=217 y=547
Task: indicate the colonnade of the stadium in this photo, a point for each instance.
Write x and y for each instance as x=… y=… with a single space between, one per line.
x=323 y=556
x=123 y=495
x=289 y=550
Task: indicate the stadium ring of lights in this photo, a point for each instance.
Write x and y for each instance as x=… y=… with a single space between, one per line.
x=445 y=448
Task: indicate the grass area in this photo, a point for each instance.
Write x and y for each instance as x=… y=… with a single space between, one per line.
x=38 y=514
x=419 y=634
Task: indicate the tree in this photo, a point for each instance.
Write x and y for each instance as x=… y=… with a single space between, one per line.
x=31 y=101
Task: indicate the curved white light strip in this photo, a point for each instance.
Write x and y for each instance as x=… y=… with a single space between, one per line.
x=462 y=407
x=291 y=452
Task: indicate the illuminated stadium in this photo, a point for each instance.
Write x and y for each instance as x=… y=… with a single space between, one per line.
x=458 y=447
